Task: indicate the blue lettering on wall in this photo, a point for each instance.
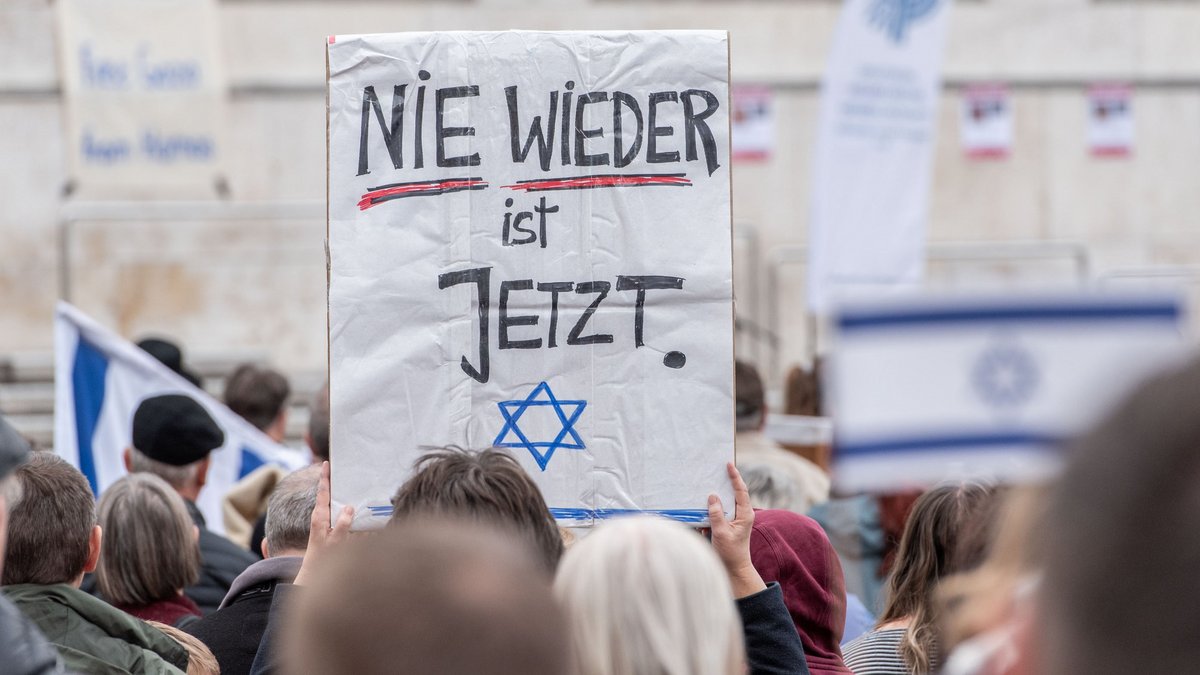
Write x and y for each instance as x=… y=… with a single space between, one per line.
x=168 y=147
x=104 y=150
x=100 y=73
x=166 y=74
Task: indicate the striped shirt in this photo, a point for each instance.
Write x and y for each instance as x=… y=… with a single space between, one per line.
x=876 y=653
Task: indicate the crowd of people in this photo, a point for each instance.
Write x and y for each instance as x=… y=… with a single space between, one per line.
x=1088 y=574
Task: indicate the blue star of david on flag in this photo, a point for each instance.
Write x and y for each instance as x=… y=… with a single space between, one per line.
x=895 y=16
x=511 y=436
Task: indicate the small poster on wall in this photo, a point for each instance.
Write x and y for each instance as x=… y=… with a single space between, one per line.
x=986 y=122
x=753 y=128
x=1110 y=120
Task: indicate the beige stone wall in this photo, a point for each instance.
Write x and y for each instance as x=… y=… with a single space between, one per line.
x=259 y=286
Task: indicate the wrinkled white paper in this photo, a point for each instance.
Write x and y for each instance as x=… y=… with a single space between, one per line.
x=616 y=426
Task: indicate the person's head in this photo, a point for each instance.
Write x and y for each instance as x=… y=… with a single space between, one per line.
x=428 y=596
x=150 y=550
x=14 y=451
x=170 y=355
x=750 y=399
x=802 y=391
x=260 y=396
x=772 y=488
x=648 y=595
x=317 y=436
x=793 y=550
x=289 y=513
x=172 y=438
x=488 y=486
x=947 y=533
x=201 y=660
x=1119 y=542
x=53 y=537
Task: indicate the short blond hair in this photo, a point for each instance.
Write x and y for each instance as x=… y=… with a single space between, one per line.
x=648 y=595
x=201 y=660
x=149 y=550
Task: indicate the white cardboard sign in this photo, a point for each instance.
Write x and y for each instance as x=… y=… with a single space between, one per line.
x=529 y=240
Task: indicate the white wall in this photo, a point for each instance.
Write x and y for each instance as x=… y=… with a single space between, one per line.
x=261 y=285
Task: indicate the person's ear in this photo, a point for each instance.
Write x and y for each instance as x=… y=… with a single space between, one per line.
x=202 y=474
x=94 y=541
x=266 y=550
x=278 y=428
x=127 y=457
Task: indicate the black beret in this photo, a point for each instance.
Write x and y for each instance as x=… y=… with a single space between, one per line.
x=13 y=448
x=174 y=429
x=170 y=355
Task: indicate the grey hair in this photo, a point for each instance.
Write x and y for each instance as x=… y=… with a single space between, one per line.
x=772 y=488
x=648 y=595
x=178 y=477
x=149 y=550
x=289 y=510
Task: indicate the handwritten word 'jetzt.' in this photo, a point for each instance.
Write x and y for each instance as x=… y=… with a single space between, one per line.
x=481 y=277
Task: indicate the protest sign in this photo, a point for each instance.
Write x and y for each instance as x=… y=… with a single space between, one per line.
x=1110 y=120
x=986 y=122
x=928 y=389
x=874 y=150
x=530 y=248
x=144 y=96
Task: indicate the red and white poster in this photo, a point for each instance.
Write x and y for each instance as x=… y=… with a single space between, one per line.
x=753 y=124
x=1110 y=120
x=986 y=122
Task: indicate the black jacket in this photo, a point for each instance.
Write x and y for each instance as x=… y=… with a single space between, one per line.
x=772 y=645
x=234 y=631
x=221 y=561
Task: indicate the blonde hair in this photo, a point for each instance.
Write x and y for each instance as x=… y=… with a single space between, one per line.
x=149 y=550
x=648 y=595
x=201 y=660
x=947 y=533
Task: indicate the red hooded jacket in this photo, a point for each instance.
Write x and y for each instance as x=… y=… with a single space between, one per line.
x=793 y=550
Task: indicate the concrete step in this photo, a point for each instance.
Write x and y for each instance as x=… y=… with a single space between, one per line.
x=27 y=398
x=38 y=428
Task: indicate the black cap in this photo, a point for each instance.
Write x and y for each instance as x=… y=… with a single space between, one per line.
x=174 y=429
x=170 y=355
x=14 y=450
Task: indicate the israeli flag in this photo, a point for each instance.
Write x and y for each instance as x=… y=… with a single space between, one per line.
x=99 y=380
x=929 y=389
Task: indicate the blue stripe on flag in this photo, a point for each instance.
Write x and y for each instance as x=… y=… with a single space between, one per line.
x=948 y=443
x=250 y=462
x=87 y=382
x=1063 y=313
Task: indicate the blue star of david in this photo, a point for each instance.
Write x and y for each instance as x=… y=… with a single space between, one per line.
x=542 y=451
x=1005 y=376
